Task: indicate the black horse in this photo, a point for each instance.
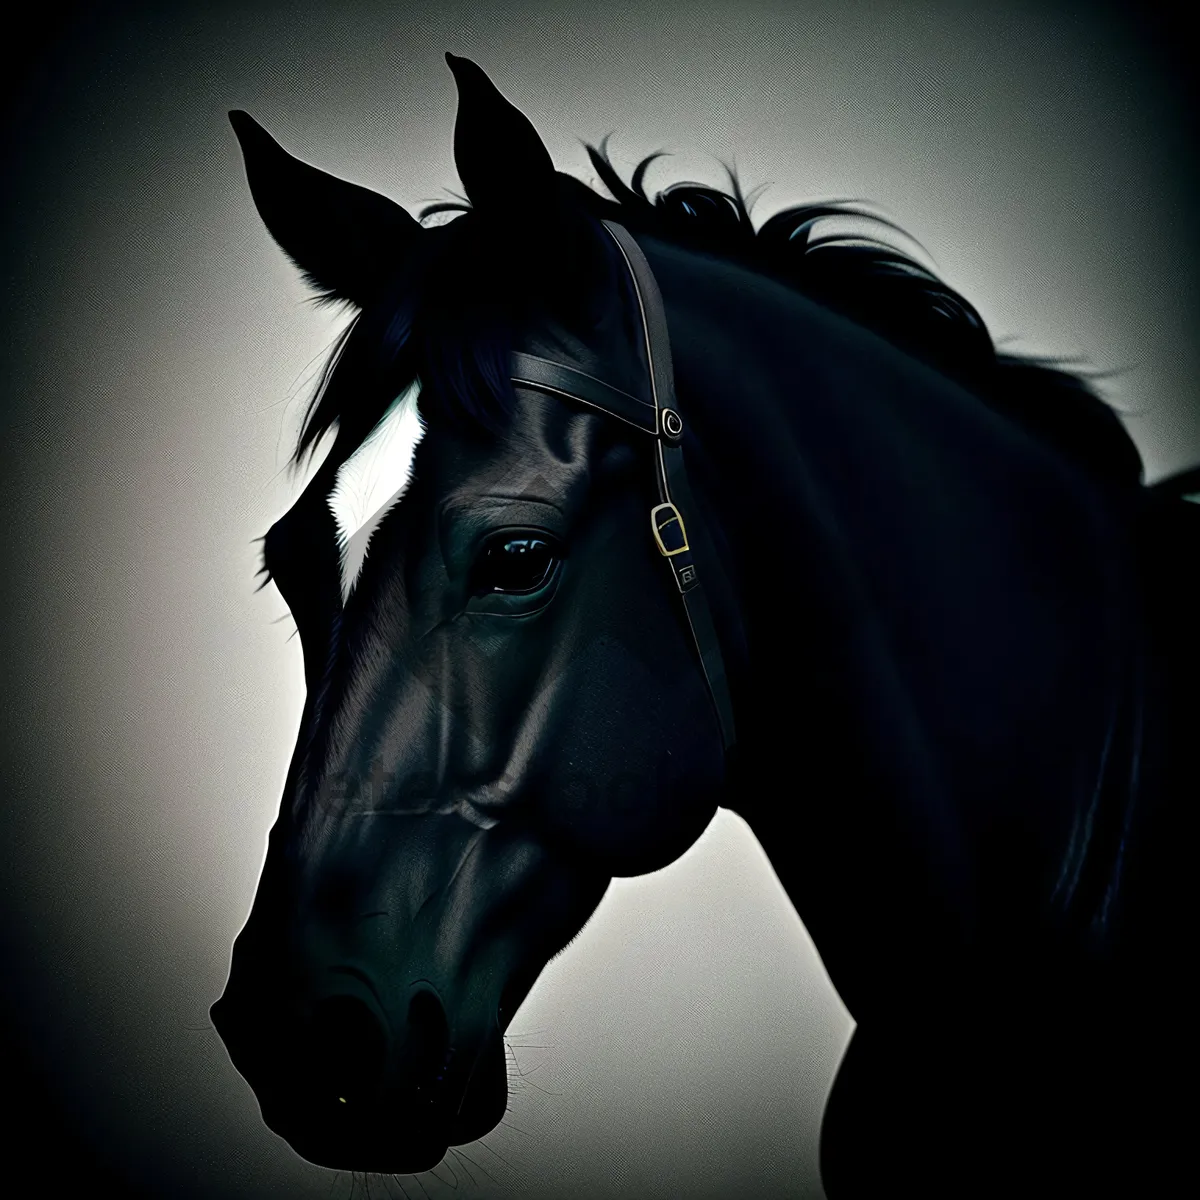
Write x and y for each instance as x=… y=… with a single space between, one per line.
x=952 y=629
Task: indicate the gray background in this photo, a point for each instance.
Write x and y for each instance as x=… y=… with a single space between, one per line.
x=160 y=349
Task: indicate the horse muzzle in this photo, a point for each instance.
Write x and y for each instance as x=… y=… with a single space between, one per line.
x=349 y=1090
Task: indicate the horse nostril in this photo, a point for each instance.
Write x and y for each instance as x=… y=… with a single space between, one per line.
x=429 y=1039
x=349 y=1048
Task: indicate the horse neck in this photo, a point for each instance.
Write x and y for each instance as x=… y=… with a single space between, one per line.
x=931 y=603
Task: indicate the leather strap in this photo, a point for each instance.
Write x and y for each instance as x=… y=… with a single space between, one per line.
x=680 y=539
x=557 y=379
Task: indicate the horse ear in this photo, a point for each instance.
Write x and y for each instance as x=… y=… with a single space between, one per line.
x=497 y=151
x=348 y=240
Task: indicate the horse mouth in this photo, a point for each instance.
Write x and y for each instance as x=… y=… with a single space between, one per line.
x=373 y=1151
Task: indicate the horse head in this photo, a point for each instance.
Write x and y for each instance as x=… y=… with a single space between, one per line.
x=504 y=705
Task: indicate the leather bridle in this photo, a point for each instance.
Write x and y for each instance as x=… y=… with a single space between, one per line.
x=660 y=419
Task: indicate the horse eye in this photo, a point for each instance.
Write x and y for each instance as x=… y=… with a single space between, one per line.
x=514 y=565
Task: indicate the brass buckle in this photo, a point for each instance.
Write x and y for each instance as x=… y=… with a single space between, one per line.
x=658 y=526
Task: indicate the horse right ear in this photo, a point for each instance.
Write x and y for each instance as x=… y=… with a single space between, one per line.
x=348 y=240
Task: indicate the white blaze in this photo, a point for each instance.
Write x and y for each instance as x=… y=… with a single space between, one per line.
x=372 y=480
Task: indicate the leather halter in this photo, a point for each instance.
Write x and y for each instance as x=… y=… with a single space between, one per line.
x=662 y=421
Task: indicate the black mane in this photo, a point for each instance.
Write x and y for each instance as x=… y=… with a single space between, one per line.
x=458 y=338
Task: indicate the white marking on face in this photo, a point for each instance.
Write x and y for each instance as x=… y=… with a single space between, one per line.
x=372 y=481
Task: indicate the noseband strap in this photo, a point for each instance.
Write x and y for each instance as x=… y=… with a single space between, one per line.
x=678 y=540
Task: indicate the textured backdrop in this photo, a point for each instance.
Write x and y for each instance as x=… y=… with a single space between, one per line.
x=159 y=350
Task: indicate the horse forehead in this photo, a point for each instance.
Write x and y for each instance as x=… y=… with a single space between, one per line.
x=542 y=452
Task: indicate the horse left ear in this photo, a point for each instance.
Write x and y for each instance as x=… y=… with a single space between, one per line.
x=497 y=151
x=348 y=240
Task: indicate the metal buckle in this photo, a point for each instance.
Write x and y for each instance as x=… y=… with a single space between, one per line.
x=673 y=517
